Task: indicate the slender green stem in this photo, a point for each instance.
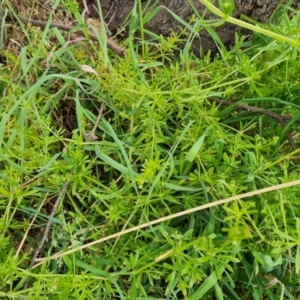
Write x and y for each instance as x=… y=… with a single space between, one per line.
x=216 y=11
x=142 y=26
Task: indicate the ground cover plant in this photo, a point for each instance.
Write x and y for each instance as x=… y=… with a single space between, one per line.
x=175 y=132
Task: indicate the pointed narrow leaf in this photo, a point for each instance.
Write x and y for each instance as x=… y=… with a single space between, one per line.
x=190 y=156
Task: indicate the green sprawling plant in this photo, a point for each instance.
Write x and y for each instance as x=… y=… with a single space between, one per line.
x=163 y=146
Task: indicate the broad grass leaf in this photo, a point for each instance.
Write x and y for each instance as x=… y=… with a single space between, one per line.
x=31 y=210
x=218 y=292
x=190 y=156
x=101 y=273
x=109 y=130
x=208 y=284
x=176 y=187
x=123 y=169
x=50 y=162
x=13 y=164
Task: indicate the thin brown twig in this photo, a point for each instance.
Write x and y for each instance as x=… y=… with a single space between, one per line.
x=111 y=18
x=252 y=108
x=280 y=118
x=28 y=229
x=85 y=10
x=110 y=44
x=46 y=232
x=89 y=137
x=45 y=3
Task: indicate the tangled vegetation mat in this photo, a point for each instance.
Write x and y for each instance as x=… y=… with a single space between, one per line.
x=156 y=174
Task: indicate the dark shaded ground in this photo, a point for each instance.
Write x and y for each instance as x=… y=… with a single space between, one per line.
x=115 y=13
